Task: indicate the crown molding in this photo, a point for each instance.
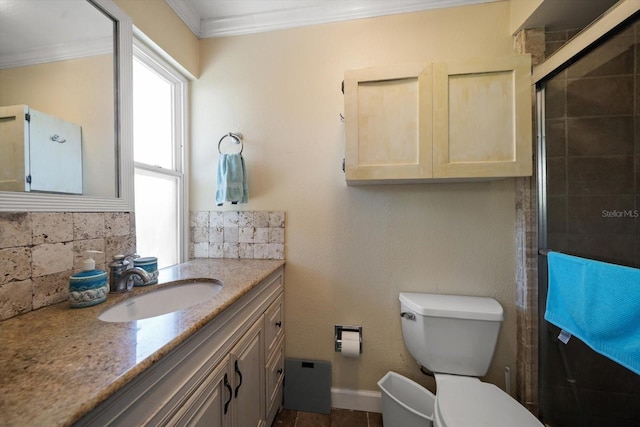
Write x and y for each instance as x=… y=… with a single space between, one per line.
x=57 y=52
x=188 y=15
x=318 y=13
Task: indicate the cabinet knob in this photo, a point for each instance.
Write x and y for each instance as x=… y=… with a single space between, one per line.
x=279 y=324
x=58 y=138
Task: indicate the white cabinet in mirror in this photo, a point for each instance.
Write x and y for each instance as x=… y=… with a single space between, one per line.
x=88 y=81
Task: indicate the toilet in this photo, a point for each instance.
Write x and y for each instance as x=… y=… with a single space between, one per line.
x=455 y=337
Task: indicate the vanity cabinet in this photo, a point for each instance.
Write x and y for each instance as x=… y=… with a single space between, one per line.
x=449 y=120
x=220 y=376
x=274 y=346
x=233 y=393
x=209 y=404
x=247 y=359
x=274 y=381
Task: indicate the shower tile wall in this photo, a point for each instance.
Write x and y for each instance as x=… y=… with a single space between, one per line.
x=592 y=155
x=532 y=41
x=593 y=178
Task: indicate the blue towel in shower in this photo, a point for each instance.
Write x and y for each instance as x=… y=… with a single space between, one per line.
x=597 y=302
x=232 y=179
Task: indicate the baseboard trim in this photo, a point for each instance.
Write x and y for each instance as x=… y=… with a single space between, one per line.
x=357 y=400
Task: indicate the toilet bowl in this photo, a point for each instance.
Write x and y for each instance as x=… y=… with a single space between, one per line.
x=455 y=337
x=467 y=401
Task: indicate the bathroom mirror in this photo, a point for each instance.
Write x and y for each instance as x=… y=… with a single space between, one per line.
x=78 y=69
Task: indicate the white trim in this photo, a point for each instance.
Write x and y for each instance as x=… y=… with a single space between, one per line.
x=58 y=52
x=157 y=61
x=614 y=16
x=187 y=13
x=32 y=202
x=318 y=13
x=356 y=400
x=142 y=37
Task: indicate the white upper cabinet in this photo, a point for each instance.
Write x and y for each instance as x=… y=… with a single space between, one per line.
x=482 y=118
x=388 y=123
x=416 y=122
x=40 y=152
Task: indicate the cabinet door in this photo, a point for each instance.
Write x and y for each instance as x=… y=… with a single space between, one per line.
x=388 y=123
x=55 y=149
x=210 y=404
x=14 y=145
x=247 y=363
x=482 y=118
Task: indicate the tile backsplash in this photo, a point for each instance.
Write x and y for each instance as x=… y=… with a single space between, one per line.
x=40 y=250
x=237 y=234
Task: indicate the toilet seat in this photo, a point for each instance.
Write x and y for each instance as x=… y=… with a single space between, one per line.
x=466 y=401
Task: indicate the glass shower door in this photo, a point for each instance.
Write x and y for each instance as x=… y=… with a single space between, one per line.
x=590 y=208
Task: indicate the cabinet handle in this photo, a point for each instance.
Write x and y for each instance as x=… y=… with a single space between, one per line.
x=240 y=375
x=278 y=324
x=279 y=371
x=228 y=386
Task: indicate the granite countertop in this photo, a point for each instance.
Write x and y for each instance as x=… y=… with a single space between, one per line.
x=58 y=363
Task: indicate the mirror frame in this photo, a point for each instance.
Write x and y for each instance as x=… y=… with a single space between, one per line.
x=123 y=95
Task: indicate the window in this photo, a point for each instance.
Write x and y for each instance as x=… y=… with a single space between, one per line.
x=159 y=99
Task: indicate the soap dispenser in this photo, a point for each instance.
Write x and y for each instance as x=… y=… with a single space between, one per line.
x=89 y=286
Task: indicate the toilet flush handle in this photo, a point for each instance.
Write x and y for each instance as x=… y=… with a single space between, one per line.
x=408 y=315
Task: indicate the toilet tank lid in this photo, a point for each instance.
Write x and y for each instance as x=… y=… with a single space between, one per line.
x=453 y=306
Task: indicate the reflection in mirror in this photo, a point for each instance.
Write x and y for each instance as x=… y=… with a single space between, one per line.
x=57 y=116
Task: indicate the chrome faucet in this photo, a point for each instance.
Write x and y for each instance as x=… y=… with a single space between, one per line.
x=120 y=279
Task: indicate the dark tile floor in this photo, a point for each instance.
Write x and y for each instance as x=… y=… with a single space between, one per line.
x=337 y=418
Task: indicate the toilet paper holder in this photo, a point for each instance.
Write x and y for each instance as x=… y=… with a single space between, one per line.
x=339 y=329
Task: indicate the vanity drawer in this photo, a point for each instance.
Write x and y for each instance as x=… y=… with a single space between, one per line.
x=274 y=324
x=274 y=381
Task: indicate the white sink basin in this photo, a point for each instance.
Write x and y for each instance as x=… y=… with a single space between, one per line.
x=162 y=301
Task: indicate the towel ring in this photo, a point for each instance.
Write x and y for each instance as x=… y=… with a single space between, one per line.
x=236 y=136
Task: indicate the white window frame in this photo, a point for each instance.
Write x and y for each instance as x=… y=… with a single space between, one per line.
x=180 y=138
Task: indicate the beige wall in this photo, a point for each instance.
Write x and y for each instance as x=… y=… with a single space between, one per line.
x=521 y=10
x=160 y=23
x=79 y=91
x=351 y=250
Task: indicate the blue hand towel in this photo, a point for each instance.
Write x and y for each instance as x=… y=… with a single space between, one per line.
x=232 y=179
x=597 y=302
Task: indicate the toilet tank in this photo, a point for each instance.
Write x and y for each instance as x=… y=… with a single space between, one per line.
x=451 y=334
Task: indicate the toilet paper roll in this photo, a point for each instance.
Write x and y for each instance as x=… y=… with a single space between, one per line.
x=351 y=344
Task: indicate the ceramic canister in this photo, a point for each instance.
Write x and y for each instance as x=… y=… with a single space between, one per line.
x=148 y=264
x=88 y=288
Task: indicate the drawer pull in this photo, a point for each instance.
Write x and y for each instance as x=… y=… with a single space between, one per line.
x=240 y=375
x=228 y=386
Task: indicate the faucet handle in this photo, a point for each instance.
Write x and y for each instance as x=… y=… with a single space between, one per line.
x=131 y=257
x=119 y=261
